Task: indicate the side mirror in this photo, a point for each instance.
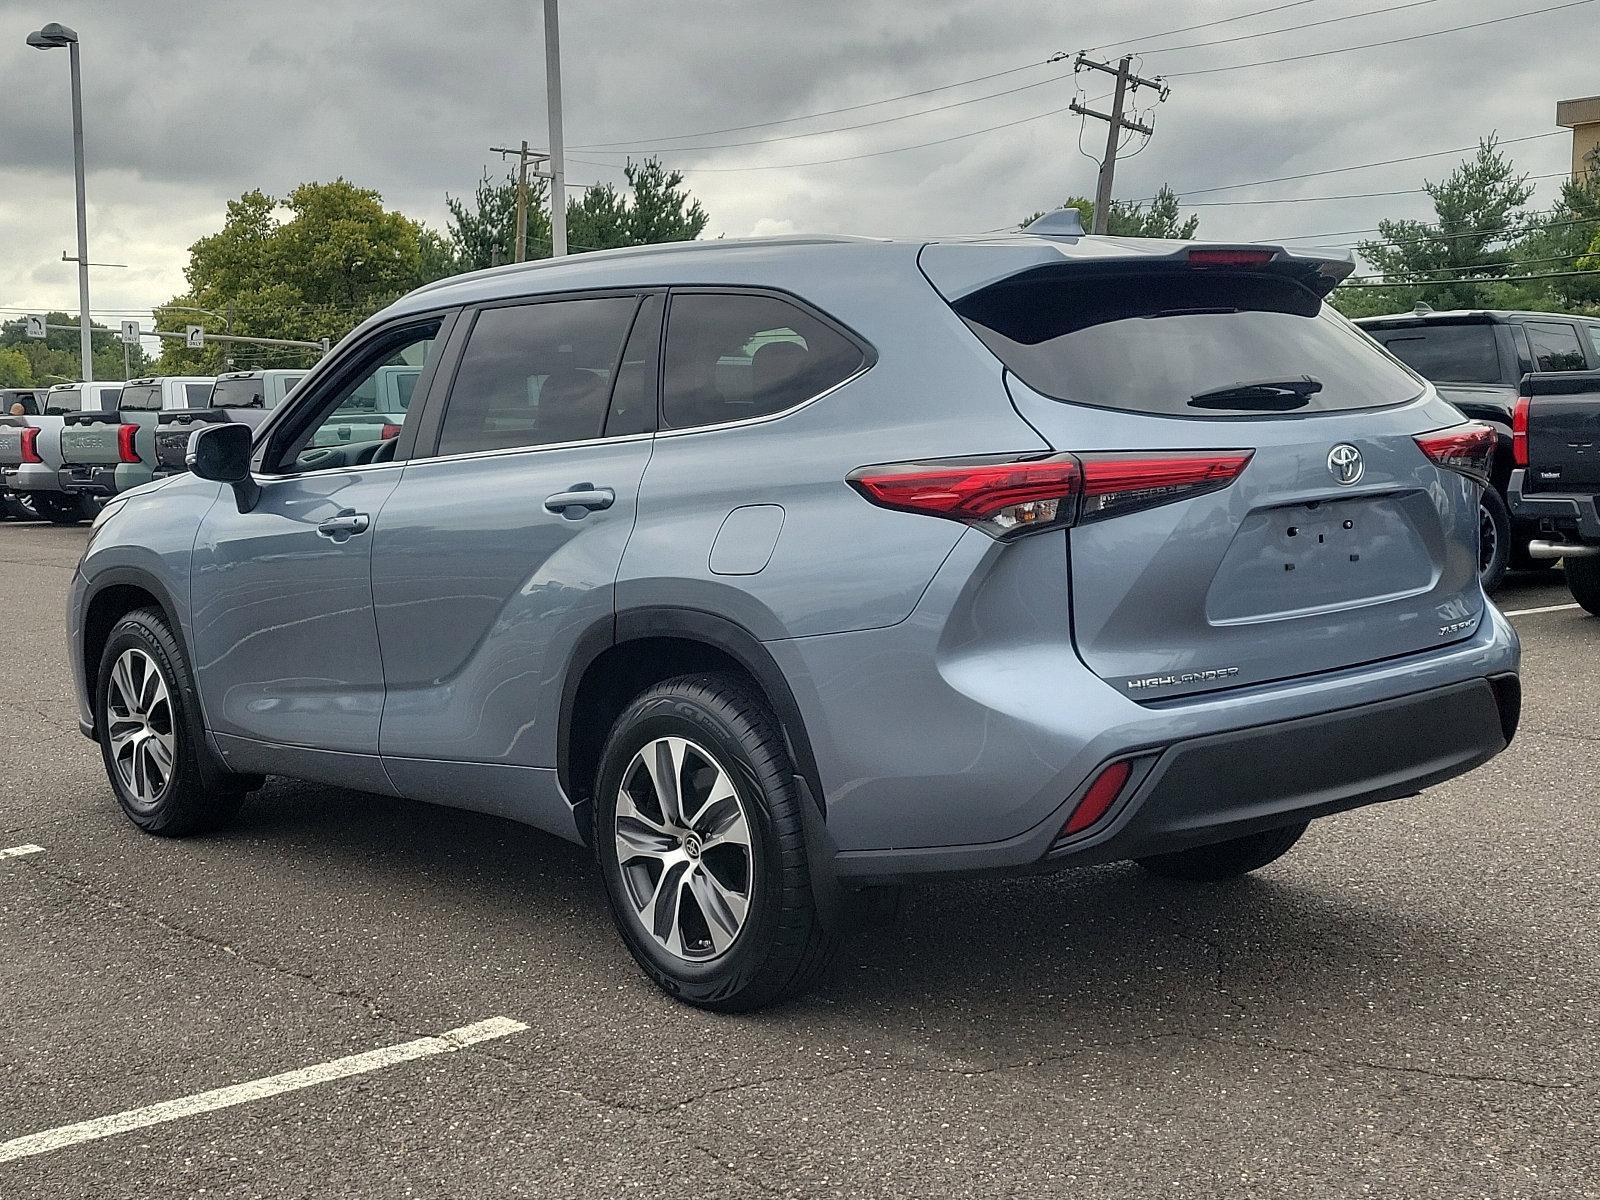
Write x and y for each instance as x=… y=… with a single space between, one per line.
x=222 y=453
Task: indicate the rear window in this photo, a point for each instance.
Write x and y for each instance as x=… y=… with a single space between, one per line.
x=141 y=397
x=1445 y=353
x=59 y=403
x=1190 y=343
x=237 y=393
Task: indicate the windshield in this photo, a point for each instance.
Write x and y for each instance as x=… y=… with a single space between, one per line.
x=1445 y=353
x=237 y=393
x=1155 y=342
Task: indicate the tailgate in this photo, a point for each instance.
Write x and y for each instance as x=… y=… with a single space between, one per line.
x=90 y=439
x=1339 y=542
x=1563 y=431
x=10 y=445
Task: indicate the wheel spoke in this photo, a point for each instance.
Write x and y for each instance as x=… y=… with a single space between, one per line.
x=160 y=750
x=664 y=761
x=722 y=909
x=120 y=732
x=664 y=906
x=149 y=686
x=722 y=823
x=122 y=681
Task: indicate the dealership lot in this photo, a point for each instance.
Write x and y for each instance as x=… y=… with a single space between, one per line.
x=1404 y=1005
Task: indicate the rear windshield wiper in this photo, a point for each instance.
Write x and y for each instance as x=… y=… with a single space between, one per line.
x=1260 y=395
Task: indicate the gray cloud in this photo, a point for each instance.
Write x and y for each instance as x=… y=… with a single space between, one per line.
x=190 y=103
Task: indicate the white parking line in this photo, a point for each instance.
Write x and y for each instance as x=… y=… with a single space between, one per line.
x=1528 y=612
x=19 y=851
x=259 y=1089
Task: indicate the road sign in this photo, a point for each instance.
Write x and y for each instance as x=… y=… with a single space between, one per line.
x=130 y=333
x=35 y=326
x=194 y=336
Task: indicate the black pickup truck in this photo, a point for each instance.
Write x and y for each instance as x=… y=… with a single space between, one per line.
x=1477 y=360
x=1555 y=486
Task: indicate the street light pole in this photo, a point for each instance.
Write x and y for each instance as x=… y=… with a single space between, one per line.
x=52 y=37
x=558 y=163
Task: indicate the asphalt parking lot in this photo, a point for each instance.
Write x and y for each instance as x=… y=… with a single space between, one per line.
x=1405 y=1005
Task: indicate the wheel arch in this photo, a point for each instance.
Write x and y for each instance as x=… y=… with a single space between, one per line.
x=114 y=593
x=615 y=660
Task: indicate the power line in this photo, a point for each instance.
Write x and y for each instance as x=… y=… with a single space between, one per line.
x=830 y=112
x=1345 y=196
x=1416 y=37
x=1245 y=37
x=1492 y=279
x=787 y=137
x=1155 y=37
x=1439 y=236
x=1456 y=271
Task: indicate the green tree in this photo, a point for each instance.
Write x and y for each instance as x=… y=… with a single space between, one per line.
x=15 y=369
x=1135 y=219
x=309 y=266
x=651 y=207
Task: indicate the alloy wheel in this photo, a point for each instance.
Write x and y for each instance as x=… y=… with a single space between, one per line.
x=1488 y=538
x=683 y=846
x=139 y=728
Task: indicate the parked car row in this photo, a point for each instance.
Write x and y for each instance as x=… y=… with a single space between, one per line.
x=771 y=571
x=66 y=450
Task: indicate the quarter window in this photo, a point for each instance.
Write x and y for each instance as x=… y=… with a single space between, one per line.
x=731 y=357
x=536 y=374
x=1555 y=346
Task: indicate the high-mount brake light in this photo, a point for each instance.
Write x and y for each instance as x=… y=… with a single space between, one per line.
x=1013 y=495
x=125 y=447
x=1468 y=449
x=1519 y=431
x=30 y=446
x=1222 y=256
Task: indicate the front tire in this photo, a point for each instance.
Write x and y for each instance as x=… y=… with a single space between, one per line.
x=698 y=829
x=145 y=710
x=1583 y=580
x=1225 y=860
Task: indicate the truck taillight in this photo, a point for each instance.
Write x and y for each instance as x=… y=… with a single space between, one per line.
x=1519 y=430
x=30 y=446
x=1467 y=448
x=1010 y=495
x=389 y=432
x=125 y=447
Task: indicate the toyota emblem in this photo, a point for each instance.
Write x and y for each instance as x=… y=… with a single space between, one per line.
x=1344 y=464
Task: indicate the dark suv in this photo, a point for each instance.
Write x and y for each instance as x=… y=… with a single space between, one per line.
x=1477 y=360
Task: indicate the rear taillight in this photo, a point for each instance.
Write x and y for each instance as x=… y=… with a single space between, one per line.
x=1012 y=495
x=1102 y=792
x=389 y=431
x=1467 y=448
x=30 y=446
x=1519 y=431
x=125 y=448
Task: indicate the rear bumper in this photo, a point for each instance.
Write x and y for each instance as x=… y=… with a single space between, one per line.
x=30 y=477
x=1572 y=513
x=88 y=480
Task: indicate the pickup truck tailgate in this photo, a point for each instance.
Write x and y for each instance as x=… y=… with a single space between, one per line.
x=1563 y=431
x=10 y=445
x=173 y=432
x=90 y=439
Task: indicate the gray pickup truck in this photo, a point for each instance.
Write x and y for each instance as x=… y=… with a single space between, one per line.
x=30 y=450
x=103 y=453
x=16 y=403
x=1555 y=485
x=1477 y=359
x=242 y=397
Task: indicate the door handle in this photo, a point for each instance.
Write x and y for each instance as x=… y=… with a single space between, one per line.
x=580 y=501
x=344 y=526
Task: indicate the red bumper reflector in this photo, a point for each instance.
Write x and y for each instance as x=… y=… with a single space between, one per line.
x=1106 y=788
x=125 y=448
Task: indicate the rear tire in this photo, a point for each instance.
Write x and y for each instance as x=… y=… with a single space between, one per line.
x=1583 y=579
x=695 y=791
x=1494 y=540
x=146 y=712
x=1225 y=860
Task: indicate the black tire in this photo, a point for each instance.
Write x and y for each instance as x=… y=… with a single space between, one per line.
x=1583 y=579
x=1225 y=860
x=58 y=510
x=1494 y=540
x=189 y=799
x=781 y=947
x=17 y=507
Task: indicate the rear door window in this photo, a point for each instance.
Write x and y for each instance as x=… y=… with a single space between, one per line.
x=1445 y=353
x=1183 y=343
x=1555 y=346
x=536 y=374
x=734 y=356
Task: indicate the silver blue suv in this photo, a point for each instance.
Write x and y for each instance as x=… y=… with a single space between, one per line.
x=775 y=570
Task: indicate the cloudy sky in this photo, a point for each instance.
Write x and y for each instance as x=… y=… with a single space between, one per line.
x=189 y=103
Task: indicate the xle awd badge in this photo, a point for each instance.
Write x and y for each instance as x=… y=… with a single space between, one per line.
x=1345 y=465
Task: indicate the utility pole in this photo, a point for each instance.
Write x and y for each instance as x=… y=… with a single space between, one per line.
x=1116 y=122
x=525 y=156
x=558 y=166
